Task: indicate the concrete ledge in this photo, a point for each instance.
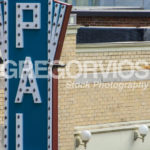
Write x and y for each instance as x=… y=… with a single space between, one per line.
x=112 y=127
x=116 y=46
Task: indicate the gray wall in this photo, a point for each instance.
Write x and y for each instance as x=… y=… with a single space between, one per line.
x=131 y=3
x=147 y=4
x=134 y=3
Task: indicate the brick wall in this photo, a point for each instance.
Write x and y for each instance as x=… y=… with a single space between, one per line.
x=93 y=106
x=67 y=98
x=114 y=21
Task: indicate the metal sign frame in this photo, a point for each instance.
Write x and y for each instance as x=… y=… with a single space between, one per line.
x=58 y=16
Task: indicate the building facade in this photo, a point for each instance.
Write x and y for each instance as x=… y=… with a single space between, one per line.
x=95 y=104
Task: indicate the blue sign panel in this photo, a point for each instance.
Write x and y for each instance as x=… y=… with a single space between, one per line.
x=31 y=33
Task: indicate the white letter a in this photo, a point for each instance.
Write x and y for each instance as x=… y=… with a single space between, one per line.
x=28 y=74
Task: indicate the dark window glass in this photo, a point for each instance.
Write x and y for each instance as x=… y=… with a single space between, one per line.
x=106 y=35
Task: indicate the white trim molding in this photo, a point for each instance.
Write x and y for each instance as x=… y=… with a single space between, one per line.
x=111 y=127
x=115 y=46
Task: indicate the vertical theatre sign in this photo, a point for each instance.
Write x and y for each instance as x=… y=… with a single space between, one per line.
x=31 y=30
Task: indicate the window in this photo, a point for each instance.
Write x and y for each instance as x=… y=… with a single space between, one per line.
x=117 y=3
x=112 y=34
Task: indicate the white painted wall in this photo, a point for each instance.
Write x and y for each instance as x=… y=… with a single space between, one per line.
x=115 y=136
x=121 y=140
